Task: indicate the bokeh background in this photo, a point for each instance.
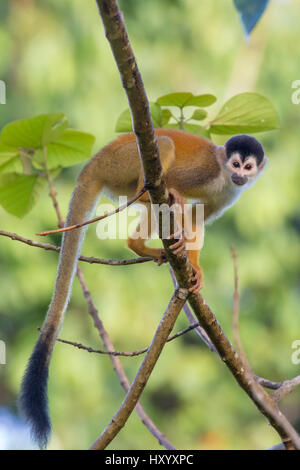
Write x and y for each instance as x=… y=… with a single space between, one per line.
x=54 y=57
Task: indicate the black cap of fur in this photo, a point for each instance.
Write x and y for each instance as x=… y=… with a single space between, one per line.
x=245 y=145
x=33 y=400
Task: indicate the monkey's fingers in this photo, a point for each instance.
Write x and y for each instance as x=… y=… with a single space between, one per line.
x=179 y=246
x=197 y=280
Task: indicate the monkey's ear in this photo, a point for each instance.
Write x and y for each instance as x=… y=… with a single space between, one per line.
x=222 y=155
x=263 y=164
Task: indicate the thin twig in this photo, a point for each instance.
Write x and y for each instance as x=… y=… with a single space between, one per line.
x=52 y=191
x=96 y=219
x=86 y=259
x=286 y=387
x=124 y=353
x=268 y=383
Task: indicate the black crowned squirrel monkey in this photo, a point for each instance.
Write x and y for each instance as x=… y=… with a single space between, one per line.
x=194 y=168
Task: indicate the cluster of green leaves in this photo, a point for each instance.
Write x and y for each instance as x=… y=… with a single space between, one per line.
x=33 y=149
x=244 y=113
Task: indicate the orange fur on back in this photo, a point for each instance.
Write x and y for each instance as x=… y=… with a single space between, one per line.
x=186 y=144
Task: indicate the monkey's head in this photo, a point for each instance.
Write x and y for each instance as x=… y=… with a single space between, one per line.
x=245 y=159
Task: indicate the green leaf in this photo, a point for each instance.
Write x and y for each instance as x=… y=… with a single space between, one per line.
x=175 y=99
x=14 y=165
x=172 y=126
x=156 y=113
x=70 y=148
x=203 y=101
x=192 y=128
x=18 y=193
x=34 y=132
x=10 y=160
x=166 y=116
x=245 y=113
x=199 y=115
x=124 y=122
x=182 y=99
x=7 y=153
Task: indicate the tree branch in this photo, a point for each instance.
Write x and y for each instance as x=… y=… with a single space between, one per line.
x=86 y=259
x=123 y=353
x=286 y=387
x=199 y=330
x=96 y=219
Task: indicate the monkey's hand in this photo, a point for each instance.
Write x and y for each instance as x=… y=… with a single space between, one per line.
x=178 y=247
x=197 y=280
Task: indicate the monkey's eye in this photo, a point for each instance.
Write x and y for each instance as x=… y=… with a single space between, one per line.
x=248 y=167
x=236 y=165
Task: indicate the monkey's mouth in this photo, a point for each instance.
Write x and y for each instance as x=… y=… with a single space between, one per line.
x=239 y=180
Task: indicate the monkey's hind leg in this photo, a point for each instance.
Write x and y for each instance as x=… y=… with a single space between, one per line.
x=195 y=240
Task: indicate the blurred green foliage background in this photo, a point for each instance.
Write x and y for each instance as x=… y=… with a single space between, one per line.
x=54 y=57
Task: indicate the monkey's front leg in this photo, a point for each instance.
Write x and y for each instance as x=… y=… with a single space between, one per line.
x=191 y=239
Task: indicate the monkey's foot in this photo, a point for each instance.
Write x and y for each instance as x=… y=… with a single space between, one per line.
x=197 y=280
x=162 y=259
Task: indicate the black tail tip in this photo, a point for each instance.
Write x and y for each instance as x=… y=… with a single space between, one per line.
x=33 y=401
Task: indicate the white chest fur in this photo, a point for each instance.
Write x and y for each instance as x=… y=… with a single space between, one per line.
x=222 y=194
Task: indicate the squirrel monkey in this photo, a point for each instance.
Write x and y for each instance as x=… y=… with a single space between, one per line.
x=194 y=168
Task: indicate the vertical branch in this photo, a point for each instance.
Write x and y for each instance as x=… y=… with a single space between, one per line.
x=52 y=191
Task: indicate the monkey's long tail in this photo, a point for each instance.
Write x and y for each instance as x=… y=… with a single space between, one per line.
x=33 y=397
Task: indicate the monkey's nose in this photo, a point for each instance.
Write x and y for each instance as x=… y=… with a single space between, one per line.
x=239 y=180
